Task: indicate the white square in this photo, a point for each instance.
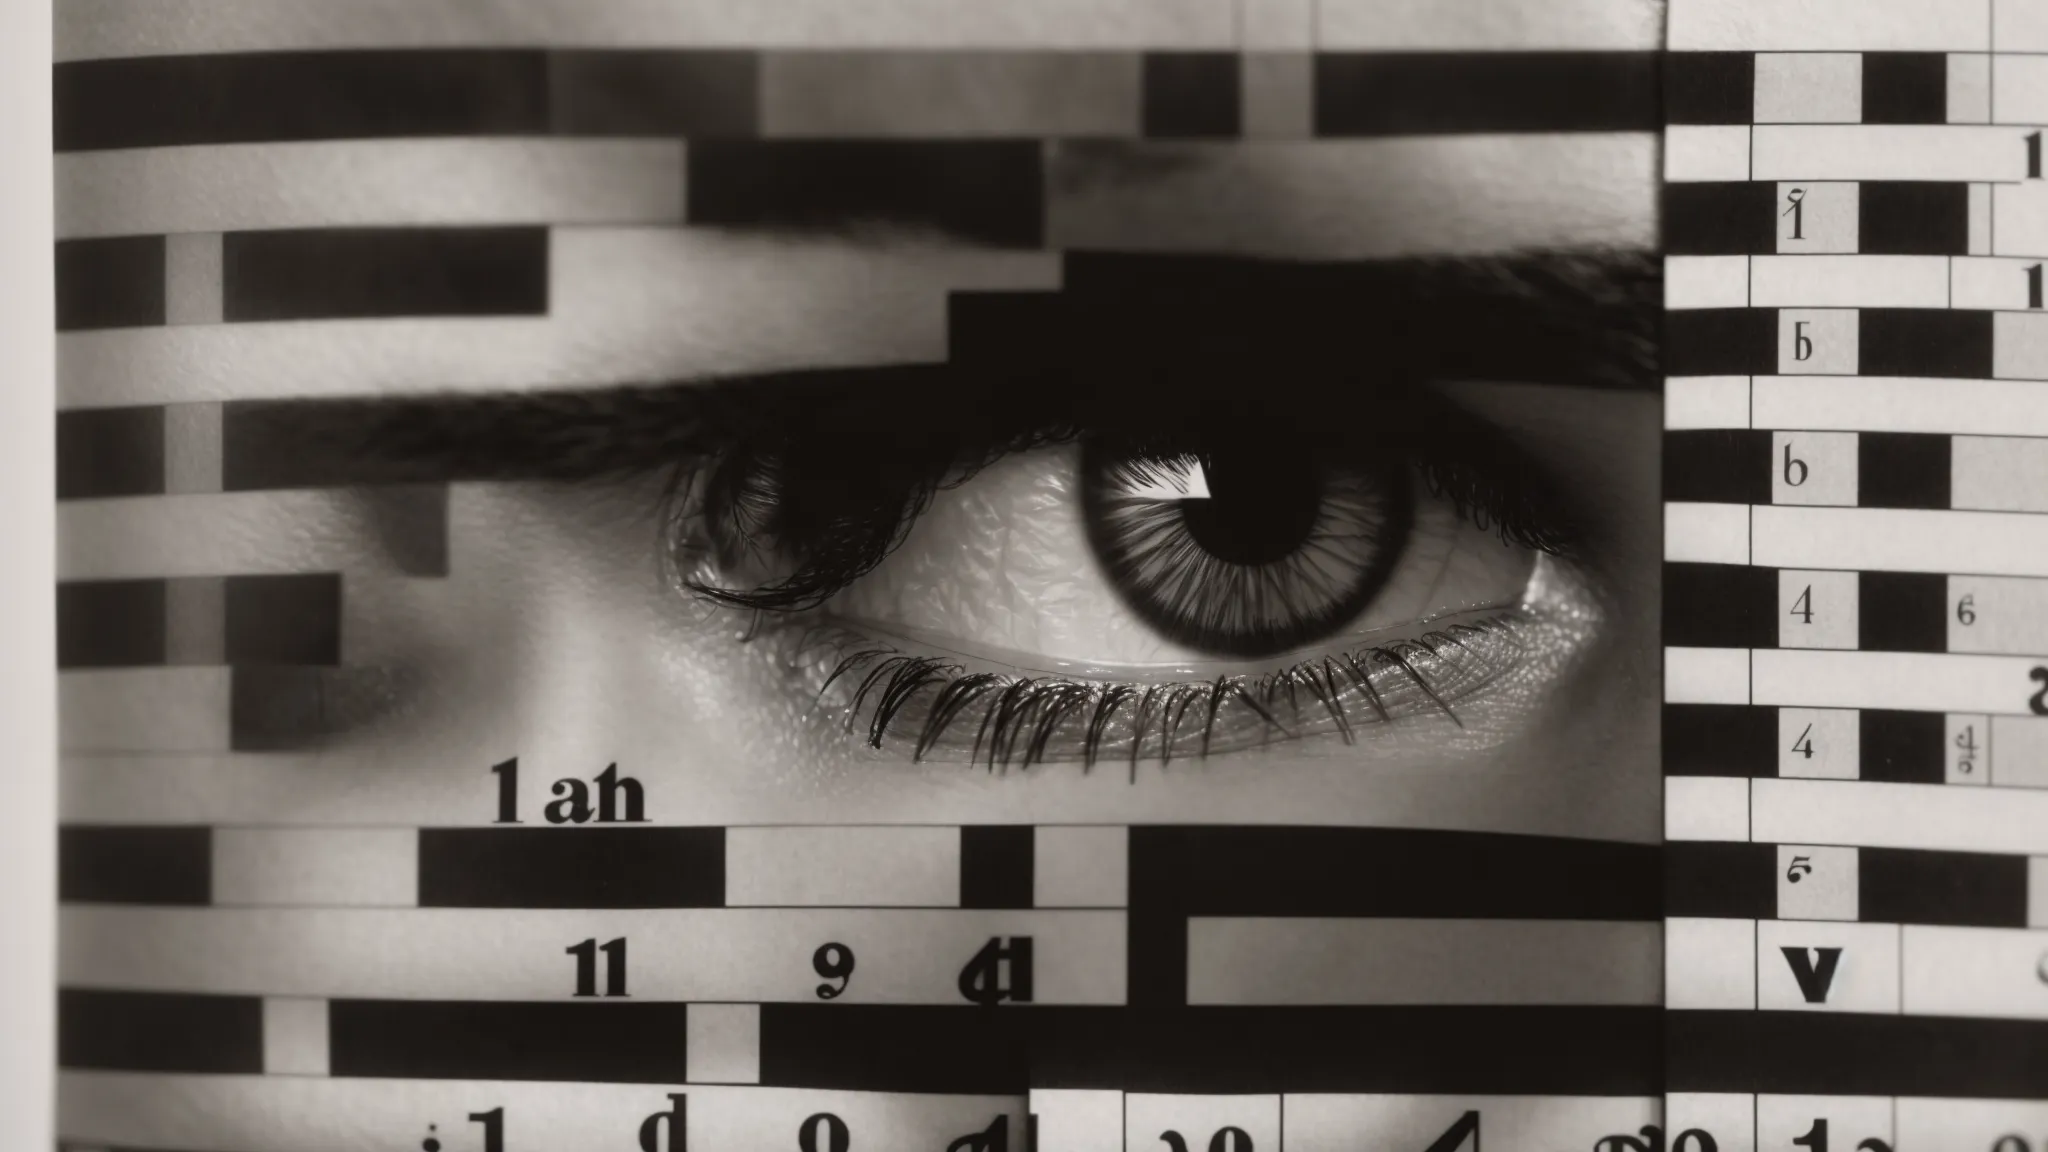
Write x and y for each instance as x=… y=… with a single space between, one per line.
x=1829 y=967
x=1818 y=216
x=334 y=867
x=1969 y=750
x=722 y=1044
x=1817 y=342
x=1852 y=1121
x=1990 y=285
x=1814 y=468
x=1817 y=609
x=2019 y=90
x=1706 y=152
x=193 y=285
x=1706 y=282
x=1079 y=1119
x=1709 y=963
x=1820 y=744
x=1706 y=675
x=1080 y=867
x=1706 y=533
x=1728 y=1117
x=294 y=1037
x=1969 y=88
x=1706 y=402
x=1816 y=882
x=1277 y=95
x=1809 y=88
x=1706 y=808
x=1199 y=1119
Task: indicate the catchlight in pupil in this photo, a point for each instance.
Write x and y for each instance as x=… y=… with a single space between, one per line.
x=1260 y=509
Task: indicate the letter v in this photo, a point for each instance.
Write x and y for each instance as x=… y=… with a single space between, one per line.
x=1814 y=977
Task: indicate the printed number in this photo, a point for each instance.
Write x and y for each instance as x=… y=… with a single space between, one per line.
x=1966 y=740
x=1797 y=198
x=2033 y=155
x=494 y=1128
x=833 y=962
x=1966 y=611
x=1647 y=1138
x=1803 y=607
x=2033 y=285
x=1463 y=1128
x=1694 y=1140
x=586 y=966
x=2012 y=1142
x=1795 y=468
x=507 y=772
x=1225 y=1140
x=837 y=1138
x=1802 y=344
x=1816 y=1137
x=994 y=1138
x=1804 y=745
x=2039 y=700
x=1801 y=866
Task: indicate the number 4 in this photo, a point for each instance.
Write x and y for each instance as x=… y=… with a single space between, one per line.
x=1803 y=607
x=1804 y=745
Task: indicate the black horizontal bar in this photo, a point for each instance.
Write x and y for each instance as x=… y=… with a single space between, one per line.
x=988 y=190
x=110 y=623
x=1438 y=93
x=1972 y=889
x=1720 y=606
x=1720 y=880
x=110 y=282
x=1903 y=470
x=1902 y=747
x=1720 y=740
x=134 y=864
x=1840 y=1053
x=110 y=452
x=161 y=101
x=572 y=867
x=159 y=1031
x=1718 y=465
x=619 y=1042
x=1709 y=87
x=339 y=273
x=1519 y=1049
x=1186 y=95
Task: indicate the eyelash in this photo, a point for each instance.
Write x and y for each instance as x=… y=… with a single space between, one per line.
x=1019 y=716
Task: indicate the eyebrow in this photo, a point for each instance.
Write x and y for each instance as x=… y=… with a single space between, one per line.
x=1143 y=334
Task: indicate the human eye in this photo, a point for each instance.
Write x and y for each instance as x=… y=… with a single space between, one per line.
x=1151 y=546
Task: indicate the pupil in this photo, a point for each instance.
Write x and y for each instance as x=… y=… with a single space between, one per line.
x=1261 y=506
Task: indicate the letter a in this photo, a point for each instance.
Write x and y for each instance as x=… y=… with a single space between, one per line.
x=1815 y=976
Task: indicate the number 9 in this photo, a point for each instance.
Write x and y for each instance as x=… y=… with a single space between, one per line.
x=833 y=962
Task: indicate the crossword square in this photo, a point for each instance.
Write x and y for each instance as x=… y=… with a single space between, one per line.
x=110 y=623
x=1925 y=342
x=1966 y=744
x=1719 y=880
x=1814 y=468
x=1809 y=88
x=1816 y=883
x=1190 y=94
x=110 y=282
x=1817 y=216
x=996 y=866
x=1815 y=610
x=1719 y=740
x=1914 y=218
x=723 y=1044
x=1902 y=747
x=1903 y=611
x=1730 y=1116
x=1855 y=1121
x=1719 y=217
x=1977 y=889
x=1905 y=88
x=294 y=1037
x=1818 y=342
x=1819 y=743
x=1903 y=470
x=1080 y=867
x=1969 y=88
x=1709 y=963
x=283 y=619
x=1718 y=466
x=110 y=452
x=1709 y=87
x=1825 y=966
x=1720 y=605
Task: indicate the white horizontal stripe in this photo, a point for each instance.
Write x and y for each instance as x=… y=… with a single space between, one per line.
x=1848 y=282
x=220 y=534
x=1706 y=402
x=1828 y=25
x=752 y=955
x=327 y=184
x=1901 y=404
x=1901 y=540
x=1974 y=972
x=825 y=867
x=1307 y=960
x=1879 y=815
x=88 y=29
x=1915 y=681
x=2000 y=473
x=1488 y=25
x=1886 y=152
x=143 y=710
x=316 y=1114
x=625 y=305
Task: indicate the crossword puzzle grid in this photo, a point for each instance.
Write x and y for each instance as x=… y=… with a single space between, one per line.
x=1856 y=578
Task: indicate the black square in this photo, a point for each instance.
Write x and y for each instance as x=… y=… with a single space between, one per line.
x=1718 y=466
x=1712 y=218
x=1902 y=612
x=110 y=452
x=1721 y=342
x=996 y=866
x=1905 y=88
x=1903 y=470
x=111 y=282
x=1720 y=740
x=1937 y=342
x=1709 y=87
x=1720 y=606
x=1721 y=880
x=1902 y=747
x=1913 y=218
x=284 y=619
x=1191 y=94
x=110 y=624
